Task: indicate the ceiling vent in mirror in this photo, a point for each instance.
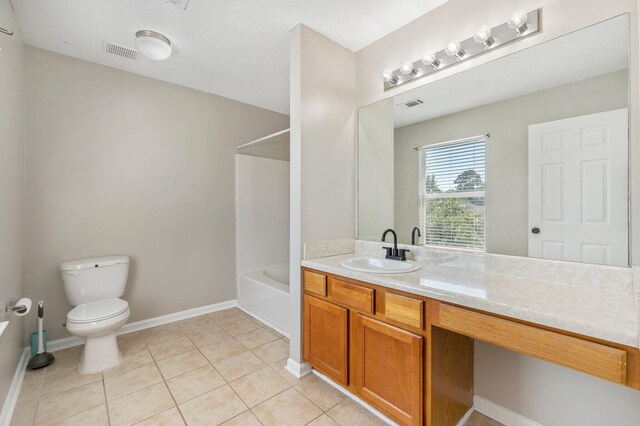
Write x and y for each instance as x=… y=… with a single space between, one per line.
x=122 y=51
x=182 y=4
x=412 y=103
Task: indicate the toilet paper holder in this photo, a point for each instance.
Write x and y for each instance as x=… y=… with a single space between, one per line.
x=12 y=306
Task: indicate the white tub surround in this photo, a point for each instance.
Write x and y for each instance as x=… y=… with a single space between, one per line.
x=316 y=249
x=264 y=294
x=262 y=240
x=487 y=283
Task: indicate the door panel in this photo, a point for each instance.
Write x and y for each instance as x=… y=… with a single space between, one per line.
x=388 y=363
x=578 y=189
x=326 y=338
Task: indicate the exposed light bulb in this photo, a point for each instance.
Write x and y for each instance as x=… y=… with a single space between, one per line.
x=389 y=77
x=408 y=69
x=518 y=21
x=429 y=59
x=483 y=35
x=455 y=49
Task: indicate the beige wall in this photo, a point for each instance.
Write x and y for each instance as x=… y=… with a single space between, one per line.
x=122 y=164
x=506 y=151
x=375 y=170
x=11 y=191
x=322 y=151
x=459 y=19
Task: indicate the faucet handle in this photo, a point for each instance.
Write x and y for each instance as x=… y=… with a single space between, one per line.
x=402 y=253
x=389 y=251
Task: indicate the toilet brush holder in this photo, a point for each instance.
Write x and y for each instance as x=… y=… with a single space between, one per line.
x=34 y=341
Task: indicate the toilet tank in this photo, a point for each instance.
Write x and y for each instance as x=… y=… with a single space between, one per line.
x=94 y=278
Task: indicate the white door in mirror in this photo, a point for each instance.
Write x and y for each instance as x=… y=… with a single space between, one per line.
x=379 y=266
x=578 y=189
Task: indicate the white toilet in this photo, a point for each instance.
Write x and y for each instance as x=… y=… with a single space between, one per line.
x=94 y=286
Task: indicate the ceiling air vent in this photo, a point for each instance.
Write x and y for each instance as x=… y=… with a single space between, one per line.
x=122 y=51
x=413 y=103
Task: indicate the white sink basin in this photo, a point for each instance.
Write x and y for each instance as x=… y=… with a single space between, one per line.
x=379 y=266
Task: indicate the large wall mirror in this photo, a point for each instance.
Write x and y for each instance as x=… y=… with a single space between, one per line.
x=527 y=155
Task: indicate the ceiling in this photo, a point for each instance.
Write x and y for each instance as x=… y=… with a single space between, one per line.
x=238 y=49
x=596 y=50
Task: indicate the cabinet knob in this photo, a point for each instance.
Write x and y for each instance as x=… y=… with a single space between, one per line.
x=535 y=230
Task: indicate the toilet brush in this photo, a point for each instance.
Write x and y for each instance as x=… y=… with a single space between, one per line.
x=42 y=358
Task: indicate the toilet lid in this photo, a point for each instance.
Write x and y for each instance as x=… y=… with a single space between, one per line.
x=97 y=311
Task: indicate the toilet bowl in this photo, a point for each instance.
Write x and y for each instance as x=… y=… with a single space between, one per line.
x=94 y=286
x=98 y=323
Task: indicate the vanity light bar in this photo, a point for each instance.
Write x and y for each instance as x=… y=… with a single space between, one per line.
x=519 y=26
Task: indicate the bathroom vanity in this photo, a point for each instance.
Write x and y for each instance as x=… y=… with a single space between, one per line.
x=404 y=343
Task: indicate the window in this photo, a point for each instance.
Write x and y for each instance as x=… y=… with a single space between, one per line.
x=452 y=183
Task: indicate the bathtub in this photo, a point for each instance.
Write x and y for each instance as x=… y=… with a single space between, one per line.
x=264 y=294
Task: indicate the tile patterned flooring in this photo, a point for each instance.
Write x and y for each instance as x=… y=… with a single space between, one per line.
x=220 y=368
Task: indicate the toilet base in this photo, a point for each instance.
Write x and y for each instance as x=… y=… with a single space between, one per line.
x=100 y=354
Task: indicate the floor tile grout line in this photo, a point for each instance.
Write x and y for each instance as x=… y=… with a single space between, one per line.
x=247 y=411
x=106 y=401
x=41 y=395
x=309 y=399
x=227 y=382
x=315 y=418
x=249 y=408
x=35 y=412
x=80 y=412
x=168 y=390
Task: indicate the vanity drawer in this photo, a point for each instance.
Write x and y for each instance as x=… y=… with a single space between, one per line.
x=403 y=309
x=592 y=358
x=315 y=283
x=352 y=295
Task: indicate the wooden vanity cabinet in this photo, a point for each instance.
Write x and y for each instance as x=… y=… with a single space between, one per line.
x=325 y=338
x=388 y=369
x=411 y=357
x=369 y=340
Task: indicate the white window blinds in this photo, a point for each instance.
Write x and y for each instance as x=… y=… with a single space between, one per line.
x=451 y=186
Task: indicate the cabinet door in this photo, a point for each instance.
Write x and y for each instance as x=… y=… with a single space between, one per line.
x=388 y=363
x=326 y=338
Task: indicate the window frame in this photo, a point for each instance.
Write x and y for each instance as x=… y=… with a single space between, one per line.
x=423 y=196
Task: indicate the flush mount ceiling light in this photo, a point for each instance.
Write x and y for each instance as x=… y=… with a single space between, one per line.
x=153 y=45
x=519 y=25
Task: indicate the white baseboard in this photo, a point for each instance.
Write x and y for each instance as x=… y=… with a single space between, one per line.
x=355 y=398
x=262 y=320
x=466 y=416
x=500 y=413
x=14 y=391
x=68 y=342
x=297 y=369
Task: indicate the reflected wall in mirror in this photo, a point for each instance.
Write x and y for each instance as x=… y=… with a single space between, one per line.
x=527 y=155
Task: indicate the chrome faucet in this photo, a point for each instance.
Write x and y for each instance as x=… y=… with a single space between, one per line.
x=393 y=252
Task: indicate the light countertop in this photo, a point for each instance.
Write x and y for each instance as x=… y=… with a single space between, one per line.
x=599 y=313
